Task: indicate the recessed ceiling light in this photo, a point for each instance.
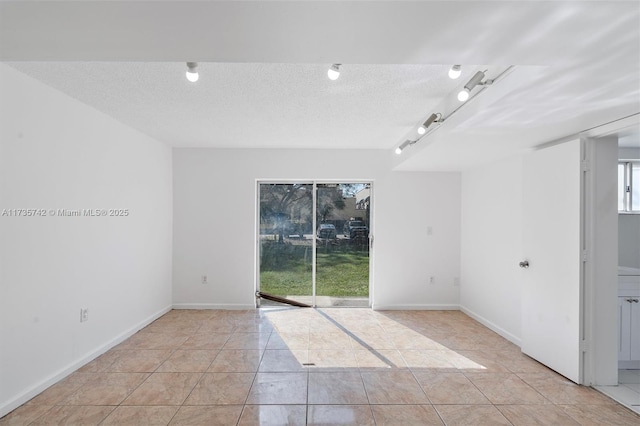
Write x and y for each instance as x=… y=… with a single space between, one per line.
x=455 y=71
x=192 y=71
x=334 y=72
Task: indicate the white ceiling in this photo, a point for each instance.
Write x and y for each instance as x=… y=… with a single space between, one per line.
x=255 y=105
x=263 y=70
x=629 y=138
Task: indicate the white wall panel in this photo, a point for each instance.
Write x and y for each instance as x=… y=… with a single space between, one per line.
x=56 y=153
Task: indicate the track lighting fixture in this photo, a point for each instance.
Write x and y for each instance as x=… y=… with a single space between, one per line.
x=433 y=118
x=403 y=145
x=464 y=95
x=455 y=71
x=334 y=72
x=192 y=71
x=475 y=80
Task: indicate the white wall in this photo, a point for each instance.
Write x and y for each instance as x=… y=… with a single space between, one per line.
x=628 y=153
x=628 y=237
x=215 y=215
x=490 y=289
x=406 y=254
x=57 y=153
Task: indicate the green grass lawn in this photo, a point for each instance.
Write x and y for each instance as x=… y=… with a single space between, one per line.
x=341 y=270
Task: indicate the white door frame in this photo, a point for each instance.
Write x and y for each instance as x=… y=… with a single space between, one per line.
x=600 y=300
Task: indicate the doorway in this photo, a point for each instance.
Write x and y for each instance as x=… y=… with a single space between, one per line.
x=619 y=375
x=313 y=244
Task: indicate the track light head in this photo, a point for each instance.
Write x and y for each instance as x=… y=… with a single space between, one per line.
x=432 y=119
x=463 y=95
x=455 y=71
x=192 y=71
x=334 y=72
x=475 y=80
x=403 y=145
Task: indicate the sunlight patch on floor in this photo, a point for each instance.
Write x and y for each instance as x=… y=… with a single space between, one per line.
x=355 y=338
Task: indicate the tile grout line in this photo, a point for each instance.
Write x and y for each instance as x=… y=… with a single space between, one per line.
x=412 y=324
x=255 y=375
x=191 y=391
x=367 y=395
x=199 y=380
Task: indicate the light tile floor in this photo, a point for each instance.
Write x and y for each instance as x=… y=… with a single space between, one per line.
x=628 y=390
x=325 y=366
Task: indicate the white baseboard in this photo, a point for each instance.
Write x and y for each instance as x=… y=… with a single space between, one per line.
x=17 y=401
x=490 y=325
x=229 y=306
x=416 y=307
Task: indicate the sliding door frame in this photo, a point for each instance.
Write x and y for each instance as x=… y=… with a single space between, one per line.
x=315 y=183
x=314 y=245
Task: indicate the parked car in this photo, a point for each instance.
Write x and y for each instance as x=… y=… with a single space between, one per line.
x=356 y=228
x=326 y=231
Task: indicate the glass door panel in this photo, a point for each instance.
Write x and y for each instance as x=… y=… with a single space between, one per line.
x=342 y=244
x=286 y=241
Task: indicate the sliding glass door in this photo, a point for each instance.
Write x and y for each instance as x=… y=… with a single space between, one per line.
x=313 y=244
x=342 y=255
x=286 y=240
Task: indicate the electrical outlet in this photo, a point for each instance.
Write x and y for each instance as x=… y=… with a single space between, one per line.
x=84 y=315
x=432 y=280
x=204 y=279
x=456 y=281
x=429 y=230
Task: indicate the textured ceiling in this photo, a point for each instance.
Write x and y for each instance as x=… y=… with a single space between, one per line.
x=257 y=105
x=263 y=70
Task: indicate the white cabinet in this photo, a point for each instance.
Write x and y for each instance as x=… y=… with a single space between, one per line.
x=629 y=326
